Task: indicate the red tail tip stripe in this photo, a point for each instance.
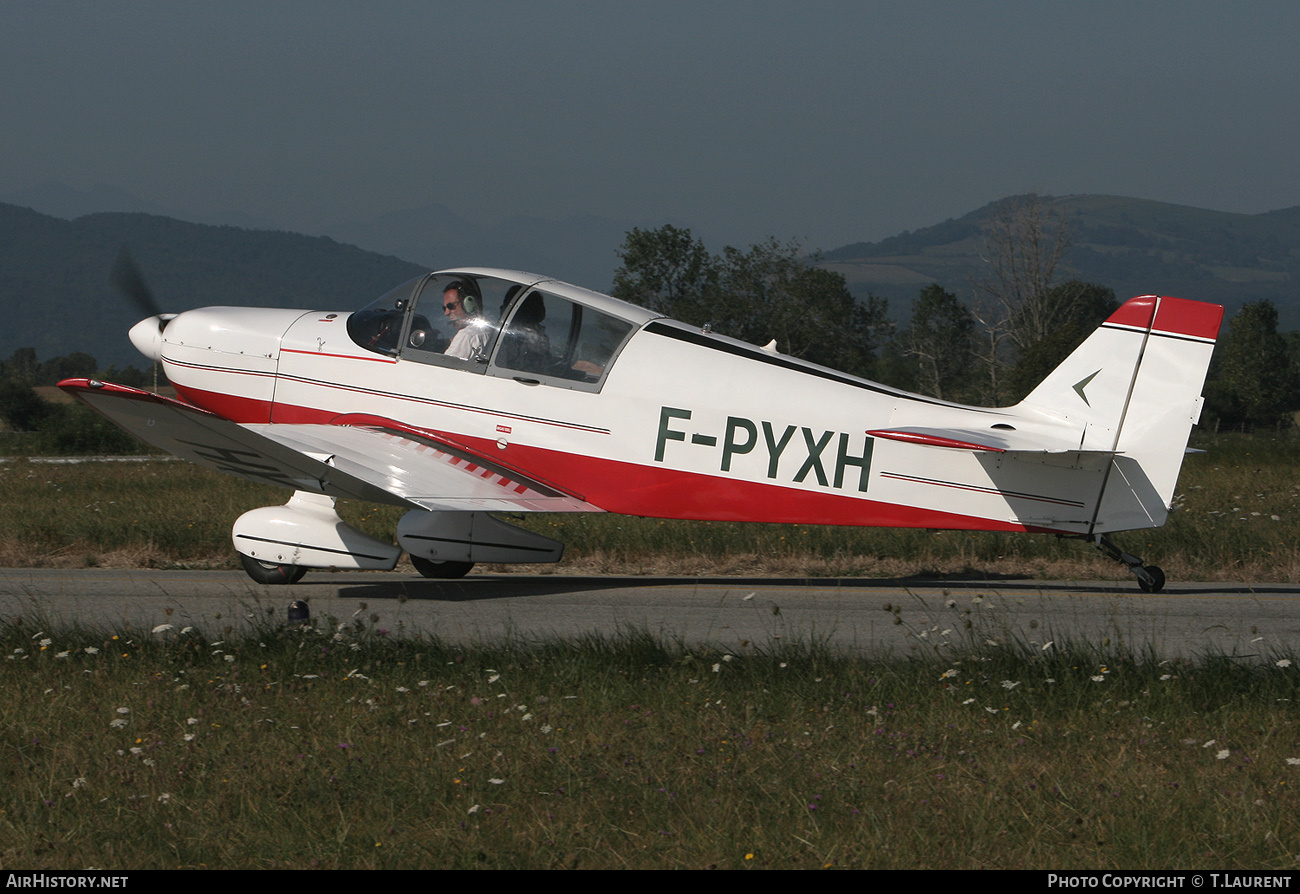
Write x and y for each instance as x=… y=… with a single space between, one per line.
x=1176 y=316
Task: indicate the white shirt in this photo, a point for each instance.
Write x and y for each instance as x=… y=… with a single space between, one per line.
x=470 y=342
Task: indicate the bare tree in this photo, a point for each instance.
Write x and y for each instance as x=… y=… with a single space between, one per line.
x=1024 y=244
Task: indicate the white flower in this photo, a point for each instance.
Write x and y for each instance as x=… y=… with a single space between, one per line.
x=717 y=668
x=189 y=737
x=47 y=641
x=163 y=628
x=229 y=658
x=950 y=672
x=1284 y=662
x=1223 y=754
x=192 y=721
x=494 y=678
x=164 y=797
x=80 y=781
x=1010 y=684
x=91 y=650
x=1293 y=761
x=496 y=781
x=728 y=657
x=124 y=710
x=1047 y=645
x=473 y=809
x=119 y=723
x=1100 y=678
x=1209 y=743
x=990 y=710
x=63 y=654
x=968 y=701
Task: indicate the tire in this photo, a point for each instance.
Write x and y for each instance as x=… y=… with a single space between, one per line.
x=441 y=570
x=1157 y=580
x=271 y=573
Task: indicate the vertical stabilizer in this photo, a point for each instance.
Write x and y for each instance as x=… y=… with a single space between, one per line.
x=1134 y=387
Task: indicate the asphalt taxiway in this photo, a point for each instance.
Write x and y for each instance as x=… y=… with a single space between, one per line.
x=1259 y=621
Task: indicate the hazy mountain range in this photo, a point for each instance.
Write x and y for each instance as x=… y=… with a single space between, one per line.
x=54 y=260
x=1134 y=246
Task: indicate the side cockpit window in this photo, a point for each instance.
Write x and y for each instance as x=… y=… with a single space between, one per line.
x=439 y=319
x=453 y=323
x=560 y=342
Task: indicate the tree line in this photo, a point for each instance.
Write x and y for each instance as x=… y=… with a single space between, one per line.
x=39 y=426
x=1020 y=322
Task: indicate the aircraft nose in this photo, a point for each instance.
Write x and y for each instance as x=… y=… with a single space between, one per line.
x=146 y=335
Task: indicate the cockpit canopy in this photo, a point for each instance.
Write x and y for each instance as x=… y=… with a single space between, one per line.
x=528 y=327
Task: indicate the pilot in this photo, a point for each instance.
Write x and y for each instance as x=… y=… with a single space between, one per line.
x=472 y=335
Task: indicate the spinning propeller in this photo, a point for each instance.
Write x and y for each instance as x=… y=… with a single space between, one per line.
x=146 y=335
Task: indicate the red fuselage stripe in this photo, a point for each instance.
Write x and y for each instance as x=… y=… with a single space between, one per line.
x=652 y=490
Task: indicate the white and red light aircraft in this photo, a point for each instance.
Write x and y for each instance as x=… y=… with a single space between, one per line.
x=477 y=391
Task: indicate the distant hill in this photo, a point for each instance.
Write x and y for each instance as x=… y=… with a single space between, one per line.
x=56 y=296
x=1134 y=246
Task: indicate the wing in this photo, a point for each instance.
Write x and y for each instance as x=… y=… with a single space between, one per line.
x=359 y=458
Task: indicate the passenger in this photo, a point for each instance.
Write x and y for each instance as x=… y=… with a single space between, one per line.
x=525 y=346
x=472 y=331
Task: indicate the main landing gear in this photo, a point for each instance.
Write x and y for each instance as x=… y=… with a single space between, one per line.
x=1149 y=577
x=277 y=544
x=441 y=570
x=270 y=572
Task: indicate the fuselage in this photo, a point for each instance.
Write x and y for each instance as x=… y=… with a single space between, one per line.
x=632 y=412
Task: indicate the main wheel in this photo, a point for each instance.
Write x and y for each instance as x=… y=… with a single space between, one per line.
x=441 y=570
x=1157 y=580
x=270 y=572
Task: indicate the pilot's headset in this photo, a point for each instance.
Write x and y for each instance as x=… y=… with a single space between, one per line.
x=467 y=299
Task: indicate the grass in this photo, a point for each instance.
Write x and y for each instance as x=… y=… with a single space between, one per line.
x=335 y=746
x=1238 y=518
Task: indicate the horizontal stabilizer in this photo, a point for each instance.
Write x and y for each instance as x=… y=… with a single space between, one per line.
x=987 y=440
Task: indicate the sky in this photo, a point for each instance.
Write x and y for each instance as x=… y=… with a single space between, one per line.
x=826 y=122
